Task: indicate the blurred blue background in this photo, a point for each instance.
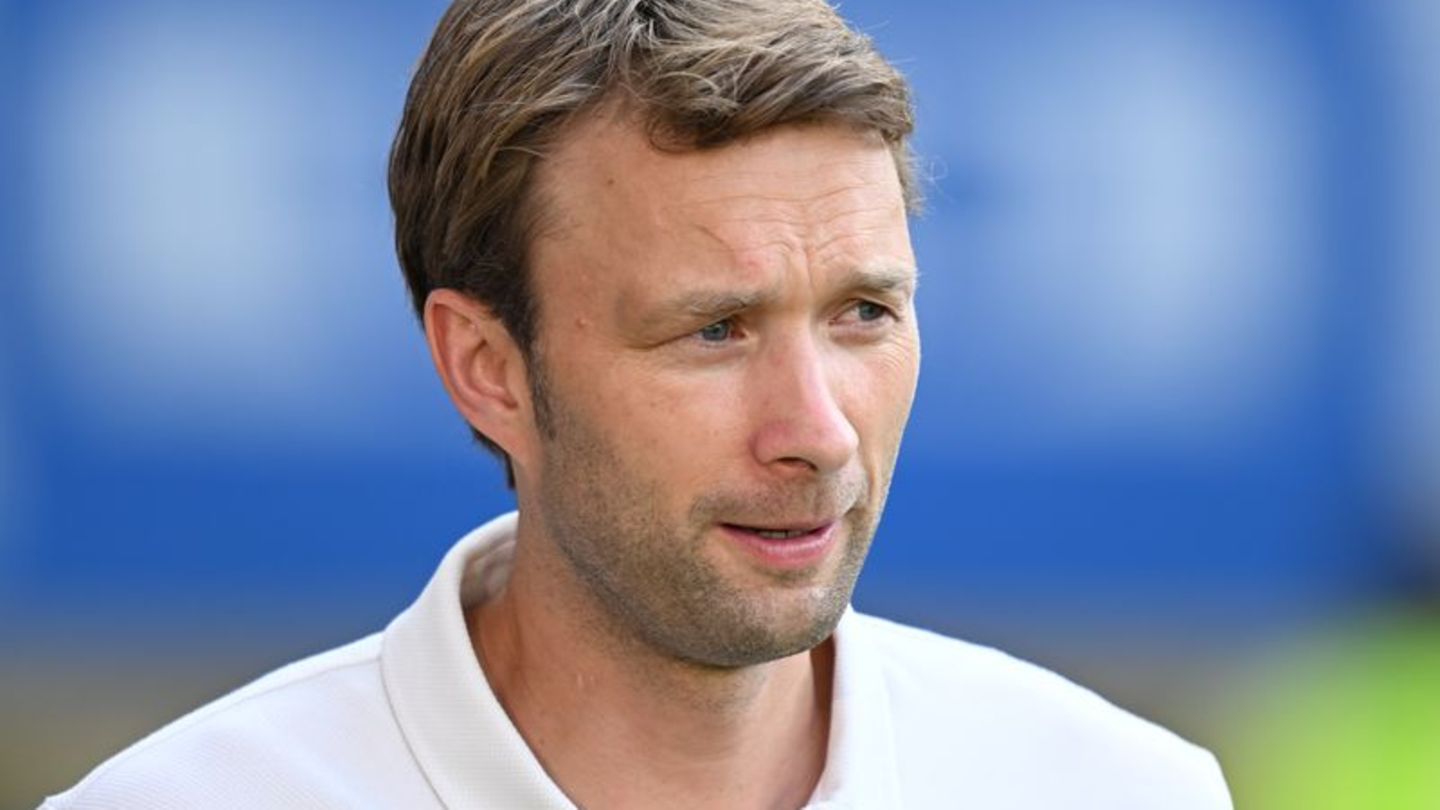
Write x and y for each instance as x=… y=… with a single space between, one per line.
x=1178 y=426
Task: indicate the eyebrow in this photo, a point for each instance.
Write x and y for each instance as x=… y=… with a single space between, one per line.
x=717 y=304
x=714 y=303
x=886 y=278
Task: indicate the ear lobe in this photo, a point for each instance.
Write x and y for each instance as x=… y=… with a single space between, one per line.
x=480 y=364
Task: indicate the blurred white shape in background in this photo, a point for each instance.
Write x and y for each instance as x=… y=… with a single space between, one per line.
x=206 y=244
x=1410 y=46
x=1147 y=266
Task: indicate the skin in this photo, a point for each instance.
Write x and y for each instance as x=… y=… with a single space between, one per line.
x=727 y=339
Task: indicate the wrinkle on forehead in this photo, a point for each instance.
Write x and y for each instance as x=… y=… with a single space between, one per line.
x=762 y=246
x=857 y=180
x=748 y=221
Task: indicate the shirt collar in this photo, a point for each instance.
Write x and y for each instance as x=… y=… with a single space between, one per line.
x=473 y=756
x=456 y=728
x=860 y=764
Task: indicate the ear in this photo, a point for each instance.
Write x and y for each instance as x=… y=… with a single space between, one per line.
x=483 y=369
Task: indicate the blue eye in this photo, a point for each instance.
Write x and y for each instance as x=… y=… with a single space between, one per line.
x=870 y=311
x=717 y=332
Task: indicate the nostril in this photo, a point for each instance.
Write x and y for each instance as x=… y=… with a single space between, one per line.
x=796 y=461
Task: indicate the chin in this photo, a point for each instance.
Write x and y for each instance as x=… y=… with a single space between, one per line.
x=770 y=632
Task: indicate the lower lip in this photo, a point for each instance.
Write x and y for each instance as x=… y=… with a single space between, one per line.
x=800 y=551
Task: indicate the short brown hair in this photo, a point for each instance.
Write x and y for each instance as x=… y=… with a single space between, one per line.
x=501 y=79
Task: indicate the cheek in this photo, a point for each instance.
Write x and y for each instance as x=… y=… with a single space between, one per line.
x=881 y=393
x=678 y=426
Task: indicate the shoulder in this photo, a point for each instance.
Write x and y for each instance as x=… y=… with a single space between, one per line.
x=276 y=741
x=956 y=704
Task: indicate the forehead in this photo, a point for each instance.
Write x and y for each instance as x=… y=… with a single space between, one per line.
x=612 y=154
x=621 y=217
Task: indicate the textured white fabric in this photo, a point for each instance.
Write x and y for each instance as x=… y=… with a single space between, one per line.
x=405 y=719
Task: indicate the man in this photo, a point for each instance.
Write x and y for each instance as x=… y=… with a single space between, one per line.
x=661 y=255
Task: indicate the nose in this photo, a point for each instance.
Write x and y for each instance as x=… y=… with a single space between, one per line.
x=801 y=424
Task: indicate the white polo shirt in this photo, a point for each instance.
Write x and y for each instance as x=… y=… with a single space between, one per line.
x=406 y=719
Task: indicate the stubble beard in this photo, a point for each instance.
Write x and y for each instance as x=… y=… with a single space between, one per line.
x=648 y=573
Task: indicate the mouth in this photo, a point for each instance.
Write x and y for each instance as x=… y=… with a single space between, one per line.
x=783 y=532
x=786 y=546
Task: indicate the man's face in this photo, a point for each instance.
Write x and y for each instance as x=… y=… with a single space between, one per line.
x=727 y=352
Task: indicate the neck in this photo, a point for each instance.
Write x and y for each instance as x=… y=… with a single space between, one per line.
x=618 y=724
